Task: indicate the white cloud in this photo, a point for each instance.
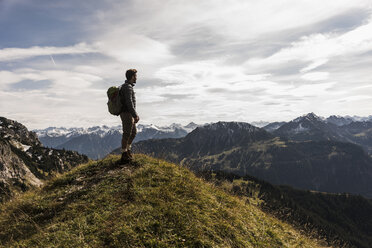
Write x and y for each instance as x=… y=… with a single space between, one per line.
x=316 y=76
x=9 y=77
x=195 y=59
x=235 y=19
x=8 y=54
x=315 y=64
x=318 y=49
x=128 y=47
x=212 y=73
x=69 y=100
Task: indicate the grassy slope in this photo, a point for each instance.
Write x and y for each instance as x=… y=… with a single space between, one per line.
x=343 y=220
x=99 y=204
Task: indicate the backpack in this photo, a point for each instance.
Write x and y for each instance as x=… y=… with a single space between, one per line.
x=114 y=101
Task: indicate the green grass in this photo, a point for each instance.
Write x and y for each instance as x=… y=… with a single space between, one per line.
x=159 y=204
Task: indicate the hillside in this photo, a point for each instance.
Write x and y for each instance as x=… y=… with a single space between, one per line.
x=102 y=204
x=343 y=220
x=360 y=133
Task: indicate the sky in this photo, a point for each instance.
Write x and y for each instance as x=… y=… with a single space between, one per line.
x=201 y=61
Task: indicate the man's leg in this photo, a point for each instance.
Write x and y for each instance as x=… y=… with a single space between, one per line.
x=131 y=138
x=127 y=122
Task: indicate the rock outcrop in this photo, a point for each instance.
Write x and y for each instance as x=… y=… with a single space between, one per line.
x=25 y=163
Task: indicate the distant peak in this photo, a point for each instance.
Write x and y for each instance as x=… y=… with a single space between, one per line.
x=191 y=124
x=336 y=116
x=175 y=125
x=260 y=123
x=230 y=125
x=339 y=120
x=310 y=116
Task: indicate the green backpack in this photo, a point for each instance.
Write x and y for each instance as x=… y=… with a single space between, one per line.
x=114 y=103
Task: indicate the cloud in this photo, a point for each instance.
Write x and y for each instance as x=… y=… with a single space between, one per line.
x=128 y=47
x=9 y=77
x=8 y=54
x=318 y=49
x=316 y=76
x=31 y=85
x=175 y=97
x=206 y=61
x=232 y=18
x=205 y=74
x=62 y=98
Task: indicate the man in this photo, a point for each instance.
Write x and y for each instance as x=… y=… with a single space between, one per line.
x=129 y=116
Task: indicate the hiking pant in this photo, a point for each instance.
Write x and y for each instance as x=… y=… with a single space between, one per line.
x=129 y=129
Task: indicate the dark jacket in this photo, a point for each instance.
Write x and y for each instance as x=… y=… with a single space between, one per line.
x=128 y=98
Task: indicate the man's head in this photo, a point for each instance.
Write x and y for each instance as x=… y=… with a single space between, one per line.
x=131 y=75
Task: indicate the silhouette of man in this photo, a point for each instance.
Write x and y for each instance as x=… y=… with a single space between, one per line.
x=129 y=116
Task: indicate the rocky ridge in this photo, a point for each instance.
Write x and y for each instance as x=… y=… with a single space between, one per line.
x=25 y=163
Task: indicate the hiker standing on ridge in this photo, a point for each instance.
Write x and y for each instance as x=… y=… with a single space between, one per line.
x=129 y=116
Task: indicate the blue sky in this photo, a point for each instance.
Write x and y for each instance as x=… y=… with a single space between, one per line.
x=200 y=61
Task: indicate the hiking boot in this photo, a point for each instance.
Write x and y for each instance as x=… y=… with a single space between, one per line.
x=125 y=158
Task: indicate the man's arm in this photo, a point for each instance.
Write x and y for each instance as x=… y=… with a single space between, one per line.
x=129 y=101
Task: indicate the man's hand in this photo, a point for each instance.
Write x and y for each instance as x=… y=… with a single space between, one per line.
x=136 y=119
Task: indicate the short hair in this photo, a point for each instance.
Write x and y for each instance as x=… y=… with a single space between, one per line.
x=130 y=73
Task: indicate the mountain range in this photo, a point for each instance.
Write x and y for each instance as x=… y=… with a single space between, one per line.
x=334 y=119
x=312 y=127
x=307 y=153
x=98 y=141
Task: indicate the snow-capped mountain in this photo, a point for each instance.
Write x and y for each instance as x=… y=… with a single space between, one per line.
x=360 y=118
x=333 y=119
x=71 y=132
x=345 y=120
x=105 y=130
x=309 y=127
x=309 y=117
x=273 y=126
x=98 y=141
x=339 y=120
x=337 y=128
x=260 y=123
